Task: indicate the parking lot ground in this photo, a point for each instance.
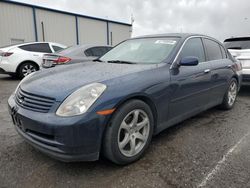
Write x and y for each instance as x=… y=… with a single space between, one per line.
x=209 y=150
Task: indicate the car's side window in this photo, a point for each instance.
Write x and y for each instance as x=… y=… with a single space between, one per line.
x=88 y=52
x=95 y=51
x=98 y=51
x=56 y=48
x=213 y=50
x=38 y=47
x=223 y=51
x=193 y=47
x=106 y=49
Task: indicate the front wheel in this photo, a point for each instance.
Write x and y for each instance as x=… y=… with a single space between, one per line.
x=129 y=133
x=230 y=96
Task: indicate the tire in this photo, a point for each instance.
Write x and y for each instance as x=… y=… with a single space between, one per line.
x=230 y=96
x=26 y=68
x=124 y=132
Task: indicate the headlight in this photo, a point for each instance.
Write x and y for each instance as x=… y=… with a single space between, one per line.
x=81 y=100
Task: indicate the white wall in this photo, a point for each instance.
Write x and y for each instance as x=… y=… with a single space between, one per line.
x=16 y=24
x=58 y=27
x=119 y=33
x=92 y=31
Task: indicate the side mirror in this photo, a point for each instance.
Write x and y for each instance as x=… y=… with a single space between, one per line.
x=189 y=61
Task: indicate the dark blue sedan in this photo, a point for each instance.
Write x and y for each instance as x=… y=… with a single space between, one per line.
x=116 y=104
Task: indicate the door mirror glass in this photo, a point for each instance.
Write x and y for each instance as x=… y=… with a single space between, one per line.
x=189 y=61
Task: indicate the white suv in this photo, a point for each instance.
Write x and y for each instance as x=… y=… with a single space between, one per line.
x=240 y=49
x=20 y=60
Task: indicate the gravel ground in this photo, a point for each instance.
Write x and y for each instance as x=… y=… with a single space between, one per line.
x=209 y=150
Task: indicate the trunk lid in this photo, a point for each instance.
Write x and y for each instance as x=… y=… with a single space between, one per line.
x=243 y=56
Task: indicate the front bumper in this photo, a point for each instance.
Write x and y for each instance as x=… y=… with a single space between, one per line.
x=67 y=139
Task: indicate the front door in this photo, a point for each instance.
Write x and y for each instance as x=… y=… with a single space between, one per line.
x=190 y=84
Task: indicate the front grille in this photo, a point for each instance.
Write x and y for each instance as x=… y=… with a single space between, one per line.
x=34 y=102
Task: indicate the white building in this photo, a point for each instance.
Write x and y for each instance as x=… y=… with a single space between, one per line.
x=20 y=22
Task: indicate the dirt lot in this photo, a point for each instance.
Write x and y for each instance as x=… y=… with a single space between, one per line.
x=210 y=150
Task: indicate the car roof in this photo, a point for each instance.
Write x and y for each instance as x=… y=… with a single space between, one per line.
x=183 y=36
x=27 y=43
x=178 y=35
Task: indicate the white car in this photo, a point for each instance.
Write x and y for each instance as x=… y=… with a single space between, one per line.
x=22 y=59
x=240 y=49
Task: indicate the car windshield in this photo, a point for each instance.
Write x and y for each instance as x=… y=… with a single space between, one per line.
x=144 y=50
x=237 y=43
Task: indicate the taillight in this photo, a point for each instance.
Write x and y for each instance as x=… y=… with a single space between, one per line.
x=62 y=60
x=6 y=54
x=237 y=66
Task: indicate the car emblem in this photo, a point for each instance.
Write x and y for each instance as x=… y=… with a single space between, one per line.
x=21 y=100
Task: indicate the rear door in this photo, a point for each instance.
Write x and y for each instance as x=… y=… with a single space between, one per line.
x=191 y=84
x=221 y=70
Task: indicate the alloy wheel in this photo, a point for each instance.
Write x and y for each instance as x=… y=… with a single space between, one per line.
x=133 y=133
x=27 y=69
x=232 y=93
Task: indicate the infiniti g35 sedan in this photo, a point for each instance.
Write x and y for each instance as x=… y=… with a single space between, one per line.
x=115 y=105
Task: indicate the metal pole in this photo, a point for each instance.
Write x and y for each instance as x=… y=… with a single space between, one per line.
x=43 y=31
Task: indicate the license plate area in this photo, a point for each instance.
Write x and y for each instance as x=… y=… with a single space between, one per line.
x=16 y=119
x=47 y=63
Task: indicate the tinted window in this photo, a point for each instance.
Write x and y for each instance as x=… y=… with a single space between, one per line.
x=57 y=48
x=39 y=47
x=213 y=50
x=193 y=47
x=224 y=54
x=106 y=49
x=88 y=52
x=237 y=43
x=97 y=51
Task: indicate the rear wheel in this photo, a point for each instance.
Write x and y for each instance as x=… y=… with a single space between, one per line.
x=231 y=95
x=129 y=134
x=26 y=68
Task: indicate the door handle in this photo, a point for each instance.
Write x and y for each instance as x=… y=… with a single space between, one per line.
x=207 y=71
x=229 y=66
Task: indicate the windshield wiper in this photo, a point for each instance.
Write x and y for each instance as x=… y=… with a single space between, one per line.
x=121 y=62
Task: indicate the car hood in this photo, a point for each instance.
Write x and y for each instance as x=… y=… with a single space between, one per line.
x=61 y=81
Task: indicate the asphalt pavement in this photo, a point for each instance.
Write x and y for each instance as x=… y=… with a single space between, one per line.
x=209 y=150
